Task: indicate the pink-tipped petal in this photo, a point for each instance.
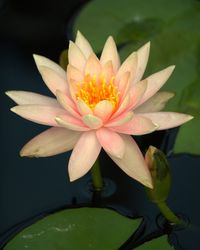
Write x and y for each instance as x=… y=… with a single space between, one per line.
x=107 y=71
x=120 y=120
x=92 y=121
x=143 y=56
x=138 y=125
x=122 y=106
x=129 y=65
x=83 y=44
x=39 y=113
x=83 y=108
x=136 y=93
x=93 y=66
x=74 y=73
x=103 y=110
x=110 y=53
x=84 y=155
x=52 y=141
x=156 y=81
x=76 y=57
x=25 y=97
x=111 y=142
x=124 y=84
x=156 y=103
x=133 y=163
x=43 y=61
x=165 y=120
x=71 y=123
x=67 y=104
x=53 y=81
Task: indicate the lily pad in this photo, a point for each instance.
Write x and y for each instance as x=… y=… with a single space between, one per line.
x=78 y=228
x=156 y=244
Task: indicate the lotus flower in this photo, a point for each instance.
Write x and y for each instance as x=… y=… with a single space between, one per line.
x=99 y=103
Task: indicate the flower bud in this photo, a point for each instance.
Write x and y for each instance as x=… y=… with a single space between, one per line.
x=160 y=173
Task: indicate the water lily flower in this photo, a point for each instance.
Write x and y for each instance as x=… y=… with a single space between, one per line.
x=99 y=103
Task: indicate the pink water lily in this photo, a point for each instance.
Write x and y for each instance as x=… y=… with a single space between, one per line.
x=99 y=103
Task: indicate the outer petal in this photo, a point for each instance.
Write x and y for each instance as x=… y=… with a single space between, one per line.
x=53 y=81
x=84 y=155
x=129 y=65
x=133 y=163
x=93 y=66
x=83 y=44
x=124 y=84
x=25 y=97
x=111 y=142
x=39 y=113
x=52 y=141
x=76 y=57
x=103 y=110
x=166 y=120
x=70 y=122
x=67 y=104
x=156 y=81
x=143 y=56
x=156 y=103
x=43 y=61
x=139 y=125
x=120 y=120
x=92 y=121
x=110 y=53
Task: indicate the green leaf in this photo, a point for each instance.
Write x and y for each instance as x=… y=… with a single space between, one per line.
x=78 y=228
x=156 y=244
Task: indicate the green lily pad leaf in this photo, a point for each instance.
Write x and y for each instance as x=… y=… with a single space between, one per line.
x=175 y=39
x=78 y=228
x=156 y=244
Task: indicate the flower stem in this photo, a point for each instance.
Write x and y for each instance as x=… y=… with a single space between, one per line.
x=168 y=214
x=97 y=180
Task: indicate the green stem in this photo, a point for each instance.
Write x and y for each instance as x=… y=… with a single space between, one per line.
x=97 y=180
x=168 y=214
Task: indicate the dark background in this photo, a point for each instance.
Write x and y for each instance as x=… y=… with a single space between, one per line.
x=29 y=186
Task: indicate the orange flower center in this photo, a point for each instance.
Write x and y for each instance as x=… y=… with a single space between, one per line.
x=92 y=91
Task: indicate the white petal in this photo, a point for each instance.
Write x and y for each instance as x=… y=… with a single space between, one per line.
x=133 y=163
x=53 y=80
x=26 y=97
x=143 y=56
x=156 y=103
x=52 y=141
x=83 y=44
x=84 y=155
x=165 y=120
x=111 y=142
x=120 y=120
x=110 y=53
x=43 y=61
x=76 y=57
x=156 y=81
x=39 y=113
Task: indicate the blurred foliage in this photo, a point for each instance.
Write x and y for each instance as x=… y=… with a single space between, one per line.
x=173 y=28
x=81 y=228
x=63 y=59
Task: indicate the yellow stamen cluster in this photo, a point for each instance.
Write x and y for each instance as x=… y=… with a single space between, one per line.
x=92 y=91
